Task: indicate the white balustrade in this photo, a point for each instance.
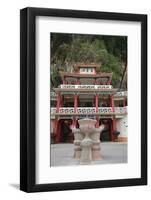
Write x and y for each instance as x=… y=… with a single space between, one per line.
x=90 y=110
x=120 y=94
x=86 y=110
x=104 y=87
x=85 y=87
x=66 y=86
x=120 y=110
x=63 y=86
x=105 y=110
x=53 y=110
x=66 y=110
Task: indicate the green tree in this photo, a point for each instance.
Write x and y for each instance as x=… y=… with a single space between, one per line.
x=55 y=77
x=67 y=49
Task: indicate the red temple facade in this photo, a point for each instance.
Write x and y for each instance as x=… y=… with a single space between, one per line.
x=87 y=92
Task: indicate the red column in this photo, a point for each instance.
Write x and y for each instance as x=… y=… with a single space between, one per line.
x=74 y=122
x=112 y=102
x=58 y=102
x=113 y=129
x=75 y=102
x=97 y=109
x=75 y=109
x=97 y=102
x=78 y=82
x=113 y=120
x=109 y=81
x=124 y=103
x=57 y=133
x=56 y=130
x=55 y=127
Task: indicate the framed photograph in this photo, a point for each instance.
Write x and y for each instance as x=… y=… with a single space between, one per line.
x=83 y=99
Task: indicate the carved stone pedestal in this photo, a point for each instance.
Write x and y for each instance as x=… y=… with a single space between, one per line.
x=87 y=141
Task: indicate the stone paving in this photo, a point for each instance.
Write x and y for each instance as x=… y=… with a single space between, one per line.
x=112 y=152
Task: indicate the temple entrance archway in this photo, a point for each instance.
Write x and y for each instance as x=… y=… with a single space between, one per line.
x=64 y=132
x=106 y=134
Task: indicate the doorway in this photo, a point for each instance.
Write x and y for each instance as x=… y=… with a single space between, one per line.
x=106 y=133
x=64 y=130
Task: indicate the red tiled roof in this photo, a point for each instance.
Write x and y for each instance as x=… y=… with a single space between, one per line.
x=87 y=65
x=68 y=74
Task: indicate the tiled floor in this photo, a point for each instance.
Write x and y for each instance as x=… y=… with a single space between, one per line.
x=112 y=152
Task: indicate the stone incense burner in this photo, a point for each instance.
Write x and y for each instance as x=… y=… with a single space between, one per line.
x=87 y=141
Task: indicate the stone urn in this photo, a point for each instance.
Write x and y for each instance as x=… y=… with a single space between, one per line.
x=87 y=141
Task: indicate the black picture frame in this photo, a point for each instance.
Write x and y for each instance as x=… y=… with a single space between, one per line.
x=28 y=99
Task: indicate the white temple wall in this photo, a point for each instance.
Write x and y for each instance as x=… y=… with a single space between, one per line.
x=122 y=126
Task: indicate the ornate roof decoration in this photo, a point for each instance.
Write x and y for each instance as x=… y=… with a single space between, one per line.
x=91 y=65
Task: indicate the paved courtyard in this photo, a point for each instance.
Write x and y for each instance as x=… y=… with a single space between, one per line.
x=112 y=152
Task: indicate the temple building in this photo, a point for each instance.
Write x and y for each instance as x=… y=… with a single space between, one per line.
x=86 y=92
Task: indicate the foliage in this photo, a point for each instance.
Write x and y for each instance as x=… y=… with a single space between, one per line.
x=67 y=49
x=55 y=76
